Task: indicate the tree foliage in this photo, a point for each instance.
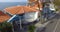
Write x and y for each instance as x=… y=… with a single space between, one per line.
x=31 y=28
x=5 y=27
x=57 y=2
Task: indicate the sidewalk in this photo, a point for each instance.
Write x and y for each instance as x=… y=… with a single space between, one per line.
x=40 y=27
x=55 y=26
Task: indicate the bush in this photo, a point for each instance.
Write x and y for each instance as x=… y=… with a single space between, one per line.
x=31 y=28
x=5 y=27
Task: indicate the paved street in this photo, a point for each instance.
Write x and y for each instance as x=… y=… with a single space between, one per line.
x=55 y=25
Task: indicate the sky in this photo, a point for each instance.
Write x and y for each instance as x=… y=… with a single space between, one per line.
x=13 y=0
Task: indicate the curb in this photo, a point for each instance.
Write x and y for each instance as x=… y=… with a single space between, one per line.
x=41 y=27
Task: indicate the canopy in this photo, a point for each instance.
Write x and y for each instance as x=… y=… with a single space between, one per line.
x=19 y=9
x=3 y=17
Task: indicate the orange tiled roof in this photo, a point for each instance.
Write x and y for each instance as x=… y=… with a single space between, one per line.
x=13 y=10
x=19 y=9
x=29 y=9
x=36 y=6
x=32 y=0
x=3 y=17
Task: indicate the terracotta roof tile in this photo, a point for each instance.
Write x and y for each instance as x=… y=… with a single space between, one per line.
x=28 y=9
x=3 y=17
x=13 y=10
x=32 y=0
x=36 y=6
x=19 y=9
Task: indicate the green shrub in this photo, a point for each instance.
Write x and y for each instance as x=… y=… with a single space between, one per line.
x=31 y=28
x=5 y=27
